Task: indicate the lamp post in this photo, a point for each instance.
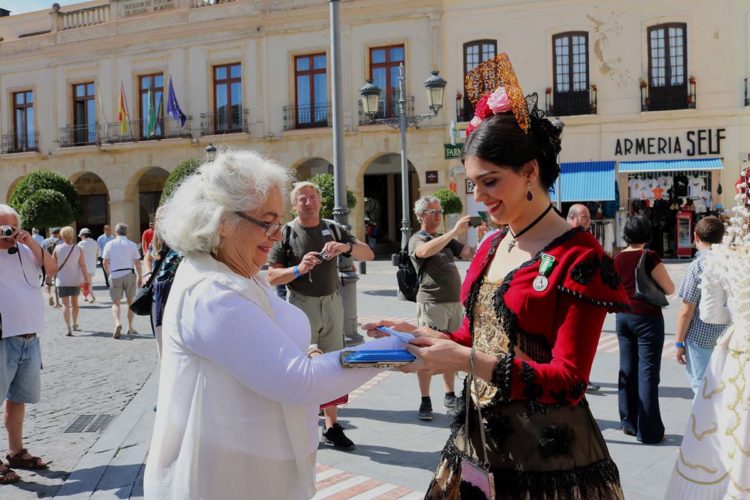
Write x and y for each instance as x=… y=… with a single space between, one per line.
x=370 y=94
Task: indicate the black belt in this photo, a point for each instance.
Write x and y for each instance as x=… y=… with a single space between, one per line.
x=24 y=336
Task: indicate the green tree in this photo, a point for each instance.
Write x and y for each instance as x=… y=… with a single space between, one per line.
x=185 y=169
x=47 y=179
x=45 y=198
x=325 y=183
x=46 y=208
x=449 y=201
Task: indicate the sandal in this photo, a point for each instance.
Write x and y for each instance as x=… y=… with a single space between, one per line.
x=9 y=476
x=19 y=462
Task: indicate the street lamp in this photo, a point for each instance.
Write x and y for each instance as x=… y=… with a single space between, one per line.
x=370 y=93
x=210 y=152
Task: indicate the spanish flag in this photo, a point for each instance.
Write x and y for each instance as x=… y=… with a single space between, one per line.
x=122 y=112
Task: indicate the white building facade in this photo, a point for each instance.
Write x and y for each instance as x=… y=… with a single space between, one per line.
x=644 y=88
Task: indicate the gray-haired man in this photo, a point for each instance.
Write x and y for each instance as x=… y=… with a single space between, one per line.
x=122 y=261
x=439 y=297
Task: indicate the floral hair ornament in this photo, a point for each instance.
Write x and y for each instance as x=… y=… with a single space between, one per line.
x=493 y=88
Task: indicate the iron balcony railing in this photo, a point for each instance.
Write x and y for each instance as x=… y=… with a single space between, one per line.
x=307 y=116
x=20 y=143
x=236 y=120
x=78 y=135
x=581 y=102
x=138 y=130
x=667 y=97
x=384 y=112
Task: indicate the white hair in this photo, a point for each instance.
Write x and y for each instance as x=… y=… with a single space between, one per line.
x=8 y=210
x=420 y=206
x=121 y=228
x=236 y=181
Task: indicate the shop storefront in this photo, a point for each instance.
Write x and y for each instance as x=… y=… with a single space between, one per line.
x=592 y=184
x=674 y=194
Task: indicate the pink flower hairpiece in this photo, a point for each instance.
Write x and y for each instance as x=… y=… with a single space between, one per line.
x=490 y=104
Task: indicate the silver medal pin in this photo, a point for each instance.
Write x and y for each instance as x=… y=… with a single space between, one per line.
x=540 y=283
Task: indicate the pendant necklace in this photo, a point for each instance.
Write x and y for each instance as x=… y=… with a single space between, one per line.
x=512 y=244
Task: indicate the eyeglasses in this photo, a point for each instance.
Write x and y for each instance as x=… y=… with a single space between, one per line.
x=435 y=211
x=272 y=229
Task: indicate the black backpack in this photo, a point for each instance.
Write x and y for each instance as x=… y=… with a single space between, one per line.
x=407 y=276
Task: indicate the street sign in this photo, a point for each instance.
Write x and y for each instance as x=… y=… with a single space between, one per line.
x=452 y=151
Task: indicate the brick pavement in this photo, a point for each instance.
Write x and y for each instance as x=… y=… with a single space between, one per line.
x=87 y=374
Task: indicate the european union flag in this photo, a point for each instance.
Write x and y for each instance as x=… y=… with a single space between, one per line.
x=173 y=108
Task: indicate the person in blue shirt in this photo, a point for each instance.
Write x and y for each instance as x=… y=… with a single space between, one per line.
x=694 y=339
x=102 y=242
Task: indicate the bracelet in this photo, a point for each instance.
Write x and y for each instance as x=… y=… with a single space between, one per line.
x=297 y=274
x=679 y=345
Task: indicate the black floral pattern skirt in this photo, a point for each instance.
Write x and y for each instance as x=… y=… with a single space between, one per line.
x=555 y=454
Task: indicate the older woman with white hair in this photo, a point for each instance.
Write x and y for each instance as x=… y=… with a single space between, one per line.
x=239 y=392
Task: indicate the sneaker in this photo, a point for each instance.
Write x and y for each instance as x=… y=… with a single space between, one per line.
x=118 y=332
x=334 y=435
x=354 y=339
x=592 y=387
x=425 y=410
x=450 y=402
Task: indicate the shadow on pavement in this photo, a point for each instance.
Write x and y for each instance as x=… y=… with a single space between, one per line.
x=382 y=293
x=425 y=460
x=110 y=477
x=440 y=420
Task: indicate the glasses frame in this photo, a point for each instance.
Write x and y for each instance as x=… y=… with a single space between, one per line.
x=271 y=228
x=433 y=211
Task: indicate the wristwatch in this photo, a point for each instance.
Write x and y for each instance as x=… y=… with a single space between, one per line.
x=679 y=345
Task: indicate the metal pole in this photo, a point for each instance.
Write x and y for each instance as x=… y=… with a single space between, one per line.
x=340 y=210
x=347 y=271
x=402 y=126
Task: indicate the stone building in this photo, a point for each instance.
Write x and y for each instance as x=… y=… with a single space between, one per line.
x=647 y=90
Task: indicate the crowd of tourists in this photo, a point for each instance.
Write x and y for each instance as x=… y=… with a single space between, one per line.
x=245 y=373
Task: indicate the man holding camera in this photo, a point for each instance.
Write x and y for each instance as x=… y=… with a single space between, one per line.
x=305 y=261
x=22 y=262
x=439 y=297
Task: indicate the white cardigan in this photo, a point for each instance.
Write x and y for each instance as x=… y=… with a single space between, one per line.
x=238 y=396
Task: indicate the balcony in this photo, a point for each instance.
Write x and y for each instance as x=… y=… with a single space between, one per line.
x=307 y=116
x=136 y=130
x=386 y=112
x=20 y=143
x=222 y=122
x=79 y=18
x=668 y=97
x=582 y=102
x=78 y=135
x=747 y=98
x=206 y=3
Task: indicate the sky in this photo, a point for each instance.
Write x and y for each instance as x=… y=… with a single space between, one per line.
x=21 y=6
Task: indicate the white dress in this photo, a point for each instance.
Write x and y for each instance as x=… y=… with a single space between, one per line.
x=714 y=459
x=238 y=396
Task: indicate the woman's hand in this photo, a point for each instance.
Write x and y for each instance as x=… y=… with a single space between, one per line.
x=436 y=355
x=401 y=326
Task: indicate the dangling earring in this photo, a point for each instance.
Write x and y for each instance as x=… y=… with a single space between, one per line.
x=529 y=196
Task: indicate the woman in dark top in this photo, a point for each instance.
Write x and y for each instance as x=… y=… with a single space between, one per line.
x=640 y=333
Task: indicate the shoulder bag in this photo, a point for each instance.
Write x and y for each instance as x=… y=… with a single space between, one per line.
x=646 y=289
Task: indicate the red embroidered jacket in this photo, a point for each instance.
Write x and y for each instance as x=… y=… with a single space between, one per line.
x=558 y=327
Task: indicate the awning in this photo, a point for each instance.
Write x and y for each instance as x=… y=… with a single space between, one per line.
x=586 y=181
x=671 y=165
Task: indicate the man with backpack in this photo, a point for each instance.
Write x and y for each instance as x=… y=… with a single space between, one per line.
x=305 y=261
x=438 y=299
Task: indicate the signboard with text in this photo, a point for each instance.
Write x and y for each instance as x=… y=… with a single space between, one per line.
x=131 y=8
x=691 y=143
x=452 y=151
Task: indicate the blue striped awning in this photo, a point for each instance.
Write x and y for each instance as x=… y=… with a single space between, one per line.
x=671 y=165
x=586 y=181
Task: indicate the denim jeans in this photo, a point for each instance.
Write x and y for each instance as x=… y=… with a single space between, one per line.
x=697 y=362
x=641 y=340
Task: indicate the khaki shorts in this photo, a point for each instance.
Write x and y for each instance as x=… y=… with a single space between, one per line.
x=326 y=315
x=119 y=285
x=444 y=316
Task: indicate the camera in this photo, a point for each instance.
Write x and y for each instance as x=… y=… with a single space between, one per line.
x=7 y=231
x=322 y=255
x=475 y=221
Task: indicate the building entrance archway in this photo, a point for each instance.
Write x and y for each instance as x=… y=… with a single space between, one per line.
x=382 y=204
x=94 y=197
x=150 y=187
